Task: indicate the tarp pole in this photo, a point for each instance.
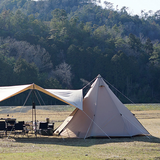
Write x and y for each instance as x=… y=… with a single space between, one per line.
x=34 y=113
x=88 y=129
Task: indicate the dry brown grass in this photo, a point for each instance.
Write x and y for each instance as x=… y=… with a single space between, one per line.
x=41 y=115
x=150 y=120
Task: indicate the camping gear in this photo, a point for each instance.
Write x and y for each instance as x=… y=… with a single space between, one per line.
x=71 y=97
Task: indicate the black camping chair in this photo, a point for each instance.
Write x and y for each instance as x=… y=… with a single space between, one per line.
x=43 y=126
x=26 y=130
x=10 y=125
x=19 y=128
x=10 y=122
x=2 y=127
x=21 y=122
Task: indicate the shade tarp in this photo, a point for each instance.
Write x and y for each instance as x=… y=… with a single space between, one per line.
x=10 y=91
x=71 y=97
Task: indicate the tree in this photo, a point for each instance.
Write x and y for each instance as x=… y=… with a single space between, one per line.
x=52 y=83
x=60 y=14
x=108 y=5
x=31 y=53
x=122 y=72
x=25 y=72
x=19 y=21
x=135 y=43
x=149 y=47
x=63 y=72
x=6 y=71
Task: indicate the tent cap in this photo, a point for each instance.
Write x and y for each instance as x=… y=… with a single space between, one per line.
x=99 y=76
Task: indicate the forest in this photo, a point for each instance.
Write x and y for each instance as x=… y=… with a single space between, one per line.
x=67 y=43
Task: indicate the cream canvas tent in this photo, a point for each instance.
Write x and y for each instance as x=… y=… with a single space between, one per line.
x=103 y=115
x=71 y=97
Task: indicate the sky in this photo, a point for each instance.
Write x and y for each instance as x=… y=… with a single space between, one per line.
x=135 y=6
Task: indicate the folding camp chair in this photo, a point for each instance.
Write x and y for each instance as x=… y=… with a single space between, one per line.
x=10 y=125
x=43 y=126
x=2 y=128
x=19 y=129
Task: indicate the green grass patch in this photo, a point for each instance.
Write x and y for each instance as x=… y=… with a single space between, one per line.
x=80 y=149
x=143 y=107
x=68 y=108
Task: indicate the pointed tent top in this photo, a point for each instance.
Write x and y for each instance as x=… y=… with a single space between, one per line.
x=101 y=82
x=99 y=76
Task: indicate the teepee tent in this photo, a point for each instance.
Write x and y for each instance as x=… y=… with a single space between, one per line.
x=103 y=115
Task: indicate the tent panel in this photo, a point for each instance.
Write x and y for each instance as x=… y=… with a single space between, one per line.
x=64 y=124
x=78 y=126
x=72 y=97
x=10 y=91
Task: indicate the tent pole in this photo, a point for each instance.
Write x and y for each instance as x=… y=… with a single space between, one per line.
x=88 y=129
x=34 y=114
x=35 y=123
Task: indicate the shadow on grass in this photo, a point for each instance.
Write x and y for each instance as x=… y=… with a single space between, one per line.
x=84 y=142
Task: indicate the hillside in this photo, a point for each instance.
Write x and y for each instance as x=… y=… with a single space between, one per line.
x=66 y=43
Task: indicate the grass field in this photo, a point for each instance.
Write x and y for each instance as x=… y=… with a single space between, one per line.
x=53 y=147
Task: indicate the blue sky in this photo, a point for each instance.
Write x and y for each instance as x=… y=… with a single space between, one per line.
x=135 y=6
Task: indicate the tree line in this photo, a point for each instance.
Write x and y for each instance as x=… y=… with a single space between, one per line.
x=65 y=44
